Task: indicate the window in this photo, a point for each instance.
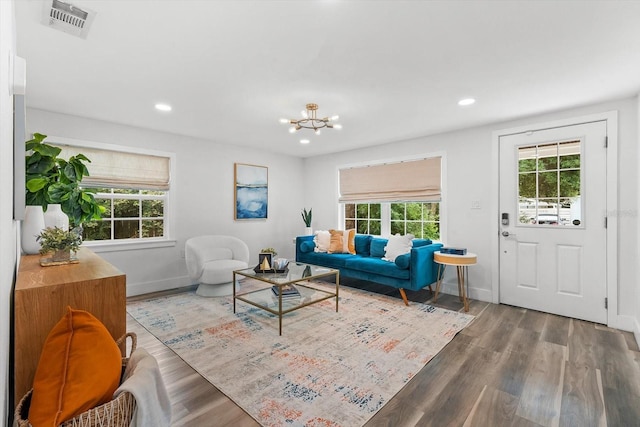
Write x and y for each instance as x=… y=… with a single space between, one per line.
x=549 y=184
x=398 y=197
x=134 y=187
x=420 y=219
x=130 y=214
x=364 y=217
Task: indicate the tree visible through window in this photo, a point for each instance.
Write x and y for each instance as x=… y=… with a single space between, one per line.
x=549 y=184
x=422 y=219
x=364 y=217
x=130 y=214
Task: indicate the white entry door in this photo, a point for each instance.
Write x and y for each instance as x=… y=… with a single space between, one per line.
x=553 y=254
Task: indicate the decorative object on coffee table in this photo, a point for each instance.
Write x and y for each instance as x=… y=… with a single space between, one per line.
x=265 y=261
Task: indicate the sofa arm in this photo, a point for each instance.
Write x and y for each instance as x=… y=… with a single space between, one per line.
x=423 y=270
x=299 y=241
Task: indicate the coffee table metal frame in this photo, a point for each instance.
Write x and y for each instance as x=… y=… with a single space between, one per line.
x=309 y=294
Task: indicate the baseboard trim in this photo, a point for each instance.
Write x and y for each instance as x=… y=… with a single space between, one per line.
x=478 y=294
x=142 y=288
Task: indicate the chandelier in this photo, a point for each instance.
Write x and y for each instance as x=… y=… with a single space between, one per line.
x=310 y=120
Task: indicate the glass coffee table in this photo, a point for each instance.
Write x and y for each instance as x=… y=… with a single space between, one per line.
x=298 y=275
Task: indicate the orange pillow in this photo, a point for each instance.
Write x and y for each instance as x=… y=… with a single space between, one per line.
x=79 y=369
x=342 y=242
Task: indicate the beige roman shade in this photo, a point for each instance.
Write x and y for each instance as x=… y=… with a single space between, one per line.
x=120 y=169
x=416 y=180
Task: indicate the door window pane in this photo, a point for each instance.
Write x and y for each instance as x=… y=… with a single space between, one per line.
x=549 y=184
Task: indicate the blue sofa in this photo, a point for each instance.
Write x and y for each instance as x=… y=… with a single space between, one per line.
x=411 y=271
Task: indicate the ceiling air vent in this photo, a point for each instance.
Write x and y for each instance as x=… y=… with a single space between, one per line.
x=67 y=17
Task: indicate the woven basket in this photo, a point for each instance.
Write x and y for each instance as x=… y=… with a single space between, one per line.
x=115 y=413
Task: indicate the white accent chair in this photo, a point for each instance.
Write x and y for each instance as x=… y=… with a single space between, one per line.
x=211 y=261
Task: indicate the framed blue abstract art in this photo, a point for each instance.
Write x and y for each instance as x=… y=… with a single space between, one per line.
x=251 y=191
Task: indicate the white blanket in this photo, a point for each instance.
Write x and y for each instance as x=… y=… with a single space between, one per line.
x=143 y=380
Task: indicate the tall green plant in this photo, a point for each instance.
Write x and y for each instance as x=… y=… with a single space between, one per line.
x=306 y=216
x=50 y=179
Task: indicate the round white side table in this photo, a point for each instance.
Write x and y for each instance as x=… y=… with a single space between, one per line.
x=462 y=263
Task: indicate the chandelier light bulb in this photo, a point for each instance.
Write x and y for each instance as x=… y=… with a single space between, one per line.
x=292 y=129
x=304 y=141
x=304 y=114
x=336 y=117
x=317 y=131
x=284 y=120
x=337 y=126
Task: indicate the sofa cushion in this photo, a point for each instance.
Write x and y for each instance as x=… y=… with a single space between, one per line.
x=363 y=244
x=403 y=261
x=342 y=242
x=377 y=247
x=377 y=266
x=398 y=245
x=322 y=239
x=307 y=246
x=328 y=260
x=79 y=369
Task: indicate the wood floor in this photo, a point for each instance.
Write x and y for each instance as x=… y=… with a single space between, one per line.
x=510 y=367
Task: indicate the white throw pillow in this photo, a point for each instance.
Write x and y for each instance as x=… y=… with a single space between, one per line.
x=322 y=239
x=396 y=246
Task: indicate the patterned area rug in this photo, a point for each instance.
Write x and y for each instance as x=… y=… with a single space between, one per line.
x=327 y=369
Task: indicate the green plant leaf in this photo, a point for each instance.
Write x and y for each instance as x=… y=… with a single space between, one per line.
x=35 y=184
x=46 y=150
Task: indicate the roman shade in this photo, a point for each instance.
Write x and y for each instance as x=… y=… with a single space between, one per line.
x=119 y=169
x=416 y=180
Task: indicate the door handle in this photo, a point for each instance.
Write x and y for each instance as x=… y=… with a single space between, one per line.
x=507 y=234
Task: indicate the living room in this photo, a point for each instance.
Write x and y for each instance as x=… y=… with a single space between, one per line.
x=202 y=196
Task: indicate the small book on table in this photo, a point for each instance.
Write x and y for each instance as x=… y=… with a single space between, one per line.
x=288 y=291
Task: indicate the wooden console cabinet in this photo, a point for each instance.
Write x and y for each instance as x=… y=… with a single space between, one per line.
x=42 y=295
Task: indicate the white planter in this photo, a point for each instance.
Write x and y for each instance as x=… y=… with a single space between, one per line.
x=54 y=217
x=31 y=226
x=308 y=231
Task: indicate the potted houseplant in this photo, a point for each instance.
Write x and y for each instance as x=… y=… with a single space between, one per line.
x=50 y=179
x=306 y=217
x=59 y=243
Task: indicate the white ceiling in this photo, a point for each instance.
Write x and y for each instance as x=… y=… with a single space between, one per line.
x=392 y=70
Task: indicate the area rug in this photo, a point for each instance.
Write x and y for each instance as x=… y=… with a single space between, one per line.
x=327 y=369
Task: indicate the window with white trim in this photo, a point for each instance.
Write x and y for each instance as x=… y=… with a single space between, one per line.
x=400 y=197
x=133 y=185
x=129 y=214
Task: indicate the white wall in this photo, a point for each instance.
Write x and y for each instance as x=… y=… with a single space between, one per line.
x=637 y=217
x=8 y=227
x=467 y=178
x=203 y=186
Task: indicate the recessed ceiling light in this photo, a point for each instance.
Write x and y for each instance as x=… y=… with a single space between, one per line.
x=466 y=101
x=163 y=107
x=304 y=141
